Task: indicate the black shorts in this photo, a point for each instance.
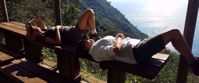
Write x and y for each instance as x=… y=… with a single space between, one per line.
x=70 y=36
x=146 y=48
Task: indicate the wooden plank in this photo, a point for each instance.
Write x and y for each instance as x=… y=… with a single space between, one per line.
x=10 y=27
x=20 y=74
x=27 y=72
x=20 y=24
x=5 y=57
x=158 y=59
x=45 y=73
x=14 y=25
x=14 y=30
x=149 y=70
x=15 y=54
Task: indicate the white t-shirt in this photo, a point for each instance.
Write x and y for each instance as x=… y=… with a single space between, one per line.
x=102 y=50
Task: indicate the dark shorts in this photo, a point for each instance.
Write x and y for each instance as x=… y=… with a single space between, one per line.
x=70 y=36
x=146 y=48
x=46 y=33
x=50 y=32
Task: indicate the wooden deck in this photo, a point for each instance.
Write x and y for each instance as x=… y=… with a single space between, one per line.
x=27 y=72
x=7 y=55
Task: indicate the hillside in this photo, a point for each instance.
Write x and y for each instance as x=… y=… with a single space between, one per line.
x=109 y=20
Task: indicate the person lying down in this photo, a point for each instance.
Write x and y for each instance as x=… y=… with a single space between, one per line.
x=62 y=35
x=135 y=51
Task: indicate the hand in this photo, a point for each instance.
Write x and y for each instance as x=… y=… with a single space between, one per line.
x=116 y=50
x=88 y=43
x=57 y=27
x=121 y=35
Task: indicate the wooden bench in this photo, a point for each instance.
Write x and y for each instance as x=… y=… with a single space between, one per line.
x=68 y=63
x=32 y=49
x=117 y=70
x=67 y=60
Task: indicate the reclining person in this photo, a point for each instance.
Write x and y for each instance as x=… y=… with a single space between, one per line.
x=62 y=35
x=134 y=51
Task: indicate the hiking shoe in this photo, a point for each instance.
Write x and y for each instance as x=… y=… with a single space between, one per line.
x=94 y=36
x=195 y=67
x=29 y=29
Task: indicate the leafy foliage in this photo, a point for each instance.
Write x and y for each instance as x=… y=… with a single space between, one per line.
x=70 y=11
x=22 y=10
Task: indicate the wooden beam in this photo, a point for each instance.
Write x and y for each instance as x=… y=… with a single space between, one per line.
x=4 y=7
x=57 y=12
x=189 y=30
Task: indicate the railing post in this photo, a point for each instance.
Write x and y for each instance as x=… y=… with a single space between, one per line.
x=189 y=30
x=33 y=51
x=116 y=76
x=68 y=64
x=57 y=12
x=4 y=11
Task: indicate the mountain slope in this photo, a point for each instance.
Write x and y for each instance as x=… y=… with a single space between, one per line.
x=109 y=20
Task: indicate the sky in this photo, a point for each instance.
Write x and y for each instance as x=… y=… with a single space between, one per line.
x=156 y=16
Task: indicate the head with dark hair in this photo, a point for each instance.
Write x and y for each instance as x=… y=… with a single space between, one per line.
x=86 y=43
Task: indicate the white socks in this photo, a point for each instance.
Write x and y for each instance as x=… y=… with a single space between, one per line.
x=93 y=31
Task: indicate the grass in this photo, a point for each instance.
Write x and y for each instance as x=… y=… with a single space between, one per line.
x=93 y=69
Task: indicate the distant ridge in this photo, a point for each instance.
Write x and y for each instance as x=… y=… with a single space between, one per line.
x=109 y=20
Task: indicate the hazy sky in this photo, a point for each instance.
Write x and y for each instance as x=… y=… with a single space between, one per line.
x=156 y=16
x=161 y=14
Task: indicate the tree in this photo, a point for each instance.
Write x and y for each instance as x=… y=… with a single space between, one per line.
x=22 y=10
x=70 y=11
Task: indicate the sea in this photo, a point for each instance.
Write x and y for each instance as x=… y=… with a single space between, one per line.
x=155 y=16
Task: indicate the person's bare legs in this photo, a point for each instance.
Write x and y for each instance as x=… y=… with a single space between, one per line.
x=179 y=43
x=39 y=22
x=87 y=20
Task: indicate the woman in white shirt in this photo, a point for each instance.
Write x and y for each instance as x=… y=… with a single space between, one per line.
x=134 y=51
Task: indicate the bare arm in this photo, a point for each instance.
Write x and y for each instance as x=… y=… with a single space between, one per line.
x=57 y=39
x=118 y=44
